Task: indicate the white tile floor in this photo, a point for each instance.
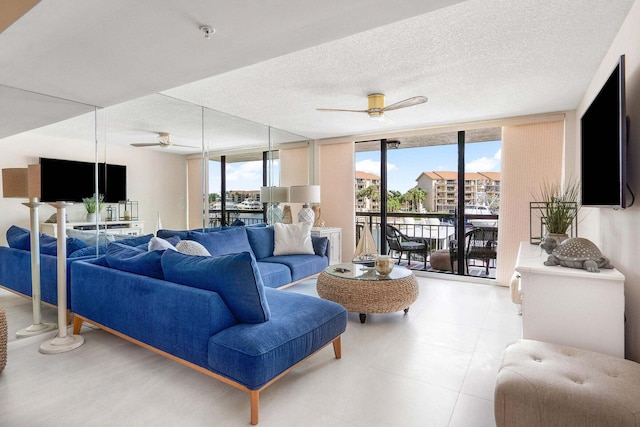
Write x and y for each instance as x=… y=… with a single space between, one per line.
x=435 y=366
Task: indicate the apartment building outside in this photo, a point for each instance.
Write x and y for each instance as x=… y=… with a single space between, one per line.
x=365 y=180
x=480 y=188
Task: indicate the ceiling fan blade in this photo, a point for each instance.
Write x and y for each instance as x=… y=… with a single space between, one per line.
x=406 y=103
x=12 y=10
x=146 y=144
x=185 y=146
x=338 y=109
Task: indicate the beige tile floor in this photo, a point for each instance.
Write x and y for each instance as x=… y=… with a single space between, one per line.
x=435 y=366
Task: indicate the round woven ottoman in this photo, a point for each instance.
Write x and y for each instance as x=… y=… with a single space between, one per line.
x=3 y=339
x=441 y=260
x=362 y=290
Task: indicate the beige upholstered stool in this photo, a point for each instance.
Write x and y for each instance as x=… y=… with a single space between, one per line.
x=3 y=339
x=542 y=384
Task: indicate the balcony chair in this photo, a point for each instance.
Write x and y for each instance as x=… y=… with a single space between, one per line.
x=480 y=243
x=402 y=243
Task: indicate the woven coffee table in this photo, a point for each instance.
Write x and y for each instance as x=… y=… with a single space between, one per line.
x=360 y=289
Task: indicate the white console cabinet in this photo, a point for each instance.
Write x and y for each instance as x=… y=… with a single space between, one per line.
x=131 y=228
x=571 y=306
x=335 y=242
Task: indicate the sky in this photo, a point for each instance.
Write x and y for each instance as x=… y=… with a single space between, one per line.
x=404 y=165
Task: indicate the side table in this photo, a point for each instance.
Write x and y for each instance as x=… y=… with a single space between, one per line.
x=360 y=289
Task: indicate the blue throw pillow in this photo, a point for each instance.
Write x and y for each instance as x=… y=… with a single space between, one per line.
x=18 y=238
x=230 y=241
x=182 y=234
x=235 y=277
x=319 y=244
x=261 y=240
x=49 y=245
x=129 y=258
x=133 y=240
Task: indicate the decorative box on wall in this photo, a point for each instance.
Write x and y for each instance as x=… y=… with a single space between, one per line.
x=127 y=210
x=335 y=241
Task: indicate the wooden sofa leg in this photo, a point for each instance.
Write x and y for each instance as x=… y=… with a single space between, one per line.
x=77 y=324
x=255 y=394
x=337 y=347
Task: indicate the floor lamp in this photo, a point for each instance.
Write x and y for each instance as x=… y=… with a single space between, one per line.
x=25 y=183
x=62 y=342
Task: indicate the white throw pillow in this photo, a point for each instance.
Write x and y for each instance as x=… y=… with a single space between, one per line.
x=291 y=239
x=191 y=247
x=160 y=244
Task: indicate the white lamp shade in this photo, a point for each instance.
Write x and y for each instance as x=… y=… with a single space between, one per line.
x=274 y=194
x=304 y=193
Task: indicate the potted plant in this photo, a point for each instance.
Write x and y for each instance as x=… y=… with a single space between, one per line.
x=93 y=205
x=559 y=207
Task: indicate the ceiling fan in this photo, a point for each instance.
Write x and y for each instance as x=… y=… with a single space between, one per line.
x=376 y=105
x=164 y=141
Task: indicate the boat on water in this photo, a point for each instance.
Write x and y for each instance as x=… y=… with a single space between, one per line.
x=249 y=205
x=480 y=210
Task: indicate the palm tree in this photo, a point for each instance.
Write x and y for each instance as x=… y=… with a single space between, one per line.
x=371 y=193
x=415 y=196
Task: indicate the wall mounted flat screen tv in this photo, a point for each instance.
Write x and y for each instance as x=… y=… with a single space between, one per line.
x=604 y=145
x=71 y=181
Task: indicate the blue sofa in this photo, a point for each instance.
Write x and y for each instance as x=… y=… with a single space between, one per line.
x=211 y=313
x=15 y=262
x=275 y=271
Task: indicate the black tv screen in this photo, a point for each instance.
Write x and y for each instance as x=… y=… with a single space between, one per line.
x=604 y=144
x=71 y=181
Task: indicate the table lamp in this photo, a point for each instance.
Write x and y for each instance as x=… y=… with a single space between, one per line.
x=306 y=194
x=24 y=183
x=273 y=196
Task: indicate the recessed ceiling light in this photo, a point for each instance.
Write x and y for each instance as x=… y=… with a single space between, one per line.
x=207 y=30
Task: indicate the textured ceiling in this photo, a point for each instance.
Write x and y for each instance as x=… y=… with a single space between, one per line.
x=275 y=62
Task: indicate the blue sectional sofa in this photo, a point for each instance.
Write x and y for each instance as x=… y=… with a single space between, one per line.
x=15 y=262
x=276 y=271
x=211 y=313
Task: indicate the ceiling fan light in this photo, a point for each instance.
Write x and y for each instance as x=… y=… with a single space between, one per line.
x=376 y=115
x=376 y=101
x=164 y=138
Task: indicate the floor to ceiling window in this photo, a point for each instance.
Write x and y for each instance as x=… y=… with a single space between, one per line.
x=422 y=175
x=235 y=181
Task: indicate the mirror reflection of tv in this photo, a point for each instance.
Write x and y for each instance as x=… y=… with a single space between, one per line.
x=71 y=181
x=603 y=130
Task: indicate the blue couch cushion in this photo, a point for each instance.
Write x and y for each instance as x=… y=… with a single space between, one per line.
x=230 y=241
x=88 y=251
x=20 y=238
x=301 y=266
x=255 y=354
x=273 y=274
x=235 y=277
x=134 y=260
x=261 y=241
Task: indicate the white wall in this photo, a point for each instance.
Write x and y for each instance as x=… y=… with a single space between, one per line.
x=617 y=232
x=156 y=180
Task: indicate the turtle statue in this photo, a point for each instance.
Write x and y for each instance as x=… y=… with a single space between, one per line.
x=577 y=252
